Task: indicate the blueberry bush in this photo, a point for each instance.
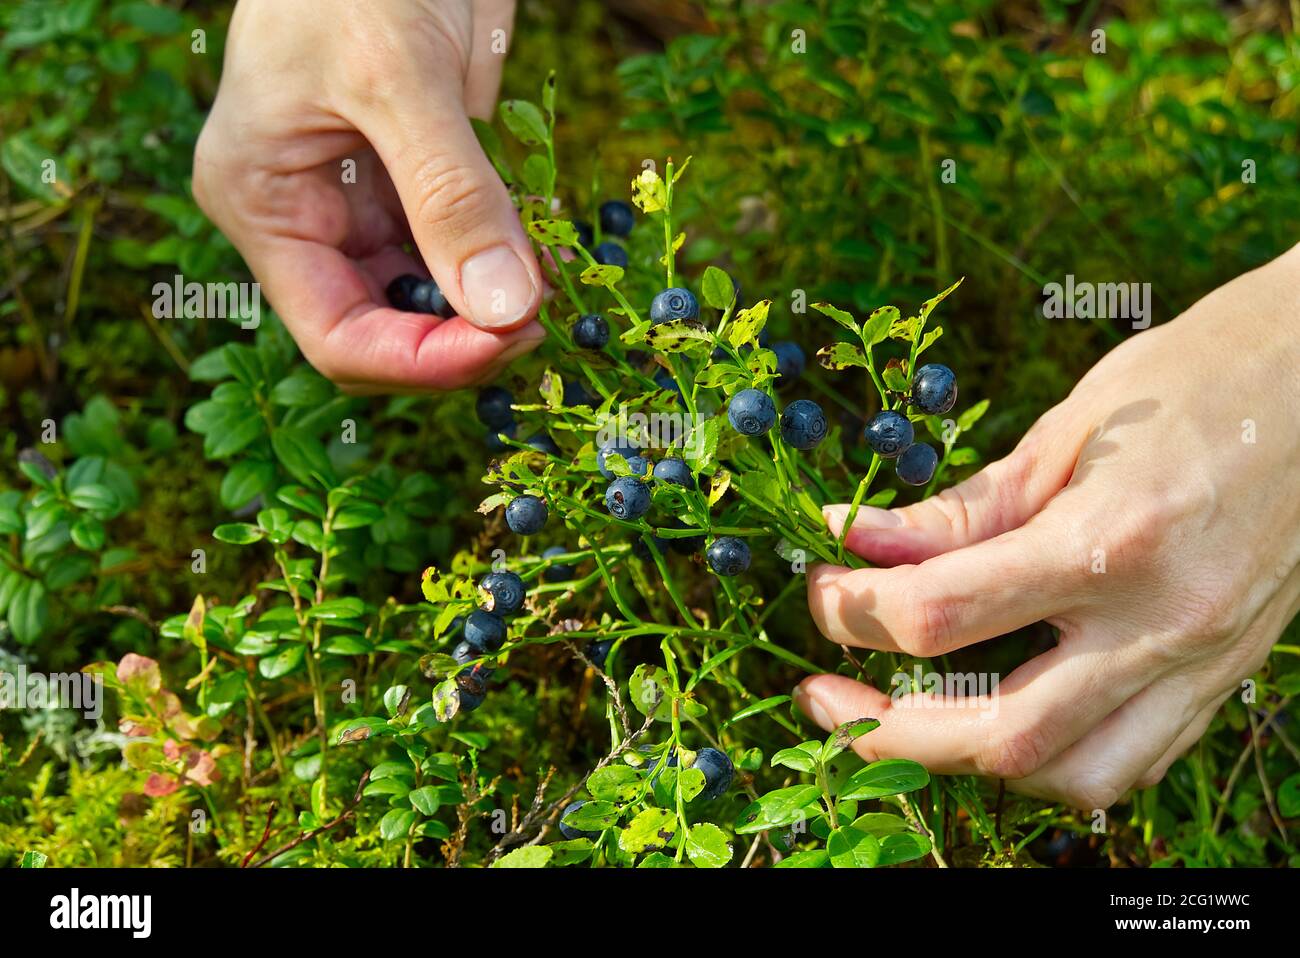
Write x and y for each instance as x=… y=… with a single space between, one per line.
x=556 y=622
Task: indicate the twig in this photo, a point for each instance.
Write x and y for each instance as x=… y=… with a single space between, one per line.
x=1263 y=778
x=266 y=834
x=305 y=836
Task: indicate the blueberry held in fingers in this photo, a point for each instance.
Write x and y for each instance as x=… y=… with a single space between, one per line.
x=916 y=465
x=889 y=433
x=934 y=389
x=426 y=297
x=399 y=291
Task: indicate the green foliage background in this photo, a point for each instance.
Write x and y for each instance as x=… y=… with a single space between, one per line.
x=812 y=170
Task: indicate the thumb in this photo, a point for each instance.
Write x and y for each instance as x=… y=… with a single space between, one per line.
x=460 y=214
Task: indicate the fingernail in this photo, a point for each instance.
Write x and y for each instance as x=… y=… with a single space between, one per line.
x=498 y=288
x=810 y=707
x=868 y=517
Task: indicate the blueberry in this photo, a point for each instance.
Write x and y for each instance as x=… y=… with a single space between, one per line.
x=503 y=592
x=576 y=394
x=790 y=362
x=728 y=556
x=572 y=833
x=591 y=332
x=557 y=573
x=616 y=218
x=625 y=449
x=426 y=297
x=474 y=679
x=610 y=253
x=598 y=651
x=585 y=235
x=717 y=769
x=916 y=464
x=889 y=433
x=485 y=631
x=526 y=515
x=673 y=303
x=399 y=291
x=751 y=412
x=639 y=465
x=493 y=438
x=803 y=424
x=664 y=380
x=493 y=407
x=934 y=389
x=464 y=653
x=469 y=699
x=627 y=498
x=542 y=442
x=675 y=471
x=652 y=764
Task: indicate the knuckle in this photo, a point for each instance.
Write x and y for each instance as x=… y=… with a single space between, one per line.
x=449 y=195
x=1015 y=755
x=1091 y=793
x=927 y=626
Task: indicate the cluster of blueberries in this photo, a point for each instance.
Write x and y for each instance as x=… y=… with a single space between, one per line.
x=890 y=433
x=718 y=772
x=411 y=294
x=616 y=219
x=484 y=632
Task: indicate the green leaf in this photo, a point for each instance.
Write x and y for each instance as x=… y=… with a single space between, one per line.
x=593 y=817
x=761 y=706
x=493 y=147
x=928 y=306
x=717 y=288
x=607 y=276
x=971 y=416
x=29 y=612
x=553 y=232
x=840 y=316
x=348 y=607
x=841 y=356
x=845 y=735
x=237 y=533
x=707 y=846
x=396 y=824
x=1288 y=796
x=881 y=824
x=357 y=514
x=803 y=757
x=302 y=455
x=88 y=533
x=533 y=856
x=287 y=660
x=525 y=121
x=10 y=582
x=32 y=859
x=891 y=776
x=850 y=848
x=748 y=324
x=100 y=500
x=879 y=323
x=652 y=829
x=903 y=847
x=244 y=480
x=615 y=783
x=571 y=852
x=425 y=800
x=302 y=387
x=779 y=808
x=812 y=858
x=678 y=335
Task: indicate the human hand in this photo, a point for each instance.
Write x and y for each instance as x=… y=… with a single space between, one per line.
x=389 y=84
x=1173 y=466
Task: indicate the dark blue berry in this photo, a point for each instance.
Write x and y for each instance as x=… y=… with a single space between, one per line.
x=751 y=412
x=464 y=653
x=399 y=291
x=484 y=631
x=576 y=394
x=542 y=442
x=598 y=651
x=615 y=446
x=916 y=464
x=585 y=234
x=728 y=556
x=426 y=297
x=503 y=592
x=803 y=424
x=639 y=465
x=591 y=332
x=627 y=498
x=610 y=253
x=674 y=303
x=573 y=833
x=934 y=389
x=493 y=407
x=493 y=438
x=889 y=433
x=717 y=769
x=675 y=471
x=664 y=380
x=790 y=362
x=526 y=515
x=469 y=699
x=557 y=573
x=616 y=218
